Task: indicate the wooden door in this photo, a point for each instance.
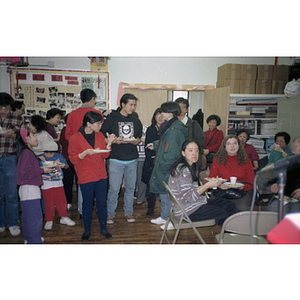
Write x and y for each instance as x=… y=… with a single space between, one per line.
x=148 y=101
x=216 y=102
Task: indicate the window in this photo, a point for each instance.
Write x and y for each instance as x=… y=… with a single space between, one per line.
x=177 y=94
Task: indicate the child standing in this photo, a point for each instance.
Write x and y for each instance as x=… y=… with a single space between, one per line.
x=29 y=178
x=53 y=188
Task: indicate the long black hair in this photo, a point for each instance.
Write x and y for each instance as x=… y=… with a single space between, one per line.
x=91 y=117
x=182 y=163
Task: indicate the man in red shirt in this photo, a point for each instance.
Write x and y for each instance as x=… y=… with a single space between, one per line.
x=75 y=118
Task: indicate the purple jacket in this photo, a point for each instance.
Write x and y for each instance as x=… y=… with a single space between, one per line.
x=28 y=169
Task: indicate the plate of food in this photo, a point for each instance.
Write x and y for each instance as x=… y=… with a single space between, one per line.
x=129 y=140
x=3 y=131
x=214 y=178
x=236 y=185
x=52 y=164
x=290 y=199
x=98 y=150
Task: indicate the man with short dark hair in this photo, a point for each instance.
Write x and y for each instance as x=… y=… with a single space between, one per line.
x=10 y=123
x=123 y=156
x=88 y=99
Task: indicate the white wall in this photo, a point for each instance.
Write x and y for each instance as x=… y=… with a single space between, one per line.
x=156 y=70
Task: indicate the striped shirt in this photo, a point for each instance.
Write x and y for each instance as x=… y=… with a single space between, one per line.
x=185 y=190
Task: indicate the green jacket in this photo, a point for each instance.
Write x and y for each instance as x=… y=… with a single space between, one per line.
x=196 y=132
x=168 y=152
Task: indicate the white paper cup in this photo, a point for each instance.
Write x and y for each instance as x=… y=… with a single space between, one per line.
x=233 y=179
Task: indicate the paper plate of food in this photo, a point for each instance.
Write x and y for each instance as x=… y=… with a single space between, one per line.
x=214 y=178
x=290 y=199
x=52 y=164
x=3 y=131
x=98 y=150
x=236 y=185
x=126 y=140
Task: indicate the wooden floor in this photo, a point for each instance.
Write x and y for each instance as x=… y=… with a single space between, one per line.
x=140 y=232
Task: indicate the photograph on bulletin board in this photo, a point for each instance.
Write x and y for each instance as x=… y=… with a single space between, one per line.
x=41 y=90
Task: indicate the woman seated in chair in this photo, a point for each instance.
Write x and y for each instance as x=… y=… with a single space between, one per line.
x=183 y=182
x=281 y=149
x=244 y=137
x=232 y=161
x=213 y=138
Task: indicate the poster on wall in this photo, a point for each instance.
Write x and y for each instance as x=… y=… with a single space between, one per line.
x=41 y=90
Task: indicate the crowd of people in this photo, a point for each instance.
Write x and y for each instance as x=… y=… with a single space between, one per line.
x=101 y=153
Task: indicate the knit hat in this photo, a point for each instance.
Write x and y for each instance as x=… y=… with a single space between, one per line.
x=49 y=146
x=24 y=133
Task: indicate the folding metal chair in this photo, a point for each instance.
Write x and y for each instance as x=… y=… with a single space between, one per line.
x=236 y=228
x=184 y=222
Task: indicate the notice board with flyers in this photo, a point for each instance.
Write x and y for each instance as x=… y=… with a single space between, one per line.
x=42 y=89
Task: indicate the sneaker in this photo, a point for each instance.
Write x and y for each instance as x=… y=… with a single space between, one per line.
x=158 y=220
x=48 y=225
x=69 y=206
x=42 y=239
x=15 y=230
x=130 y=218
x=110 y=220
x=67 y=221
x=2 y=229
x=170 y=226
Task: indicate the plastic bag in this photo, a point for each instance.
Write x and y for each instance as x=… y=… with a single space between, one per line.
x=292 y=88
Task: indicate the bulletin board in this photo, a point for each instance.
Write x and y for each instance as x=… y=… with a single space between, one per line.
x=42 y=89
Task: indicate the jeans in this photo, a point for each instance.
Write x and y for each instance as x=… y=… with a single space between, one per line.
x=99 y=189
x=8 y=189
x=165 y=205
x=32 y=221
x=116 y=172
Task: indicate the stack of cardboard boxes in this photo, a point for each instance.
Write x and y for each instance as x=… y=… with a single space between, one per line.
x=253 y=79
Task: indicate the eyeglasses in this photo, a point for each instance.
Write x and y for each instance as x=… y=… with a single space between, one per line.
x=7 y=107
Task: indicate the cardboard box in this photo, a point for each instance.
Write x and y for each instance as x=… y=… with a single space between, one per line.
x=229 y=71
x=247 y=86
x=249 y=72
x=265 y=72
x=234 y=85
x=263 y=86
x=278 y=86
x=281 y=73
